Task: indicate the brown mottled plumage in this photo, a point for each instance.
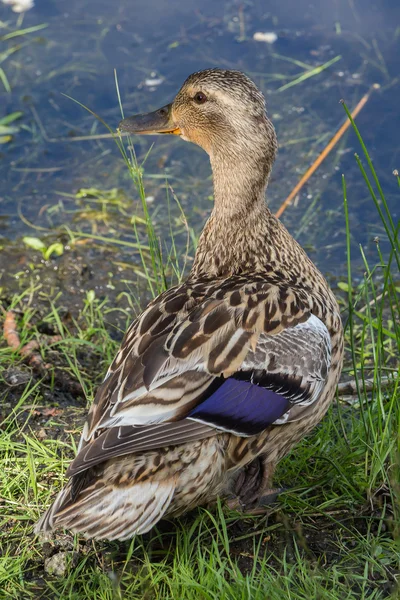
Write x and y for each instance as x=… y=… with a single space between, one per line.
x=223 y=374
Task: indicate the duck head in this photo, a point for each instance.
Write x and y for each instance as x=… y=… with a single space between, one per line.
x=222 y=111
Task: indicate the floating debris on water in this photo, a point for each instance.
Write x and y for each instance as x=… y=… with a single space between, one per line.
x=20 y=6
x=153 y=82
x=269 y=37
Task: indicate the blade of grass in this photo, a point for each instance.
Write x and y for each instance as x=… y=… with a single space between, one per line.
x=4 y=81
x=307 y=74
x=372 y=169
x=20 y=32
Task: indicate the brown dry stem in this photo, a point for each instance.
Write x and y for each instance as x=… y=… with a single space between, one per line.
x=324 y=153
x=28 y=351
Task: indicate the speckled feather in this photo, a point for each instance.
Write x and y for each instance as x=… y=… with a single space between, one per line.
x=169 y=428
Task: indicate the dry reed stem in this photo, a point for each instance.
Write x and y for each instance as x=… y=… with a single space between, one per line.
x=325 y=152
x=10 y=331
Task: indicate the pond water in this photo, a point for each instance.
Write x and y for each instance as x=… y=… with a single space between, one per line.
x=153 y=45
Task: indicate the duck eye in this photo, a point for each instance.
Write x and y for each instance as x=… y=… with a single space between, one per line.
x=200 y=98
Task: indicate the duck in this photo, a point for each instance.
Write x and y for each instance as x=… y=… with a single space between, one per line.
x=223 y=374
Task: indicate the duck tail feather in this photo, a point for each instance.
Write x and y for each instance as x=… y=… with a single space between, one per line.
x=104 y=511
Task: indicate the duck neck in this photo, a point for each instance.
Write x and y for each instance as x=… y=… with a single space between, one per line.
x=234 y=237
x=239 y=187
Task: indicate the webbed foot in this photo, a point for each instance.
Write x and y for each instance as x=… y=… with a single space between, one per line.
x=252 y=492
x=258 y=506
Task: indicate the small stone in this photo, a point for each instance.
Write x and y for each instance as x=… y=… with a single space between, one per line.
x=41 y=434
x=59 y=563
x=56 y=564
x=16 y=377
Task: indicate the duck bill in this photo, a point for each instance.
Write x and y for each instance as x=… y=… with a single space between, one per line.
x=159 y=121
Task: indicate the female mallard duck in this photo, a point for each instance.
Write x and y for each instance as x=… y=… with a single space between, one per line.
x=221 y=375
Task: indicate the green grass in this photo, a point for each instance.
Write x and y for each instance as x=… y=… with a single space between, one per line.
x=10 y=44
x=334 y=535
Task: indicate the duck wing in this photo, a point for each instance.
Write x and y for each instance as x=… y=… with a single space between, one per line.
x=233 y=356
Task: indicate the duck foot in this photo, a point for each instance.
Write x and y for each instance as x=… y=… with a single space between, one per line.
x=263 y=504
x=252 y=492
x=257 y=507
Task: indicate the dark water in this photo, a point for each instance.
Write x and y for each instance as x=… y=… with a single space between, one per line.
x=154 y=45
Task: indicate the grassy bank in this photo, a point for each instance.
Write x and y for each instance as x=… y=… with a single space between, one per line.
x=333 y=535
